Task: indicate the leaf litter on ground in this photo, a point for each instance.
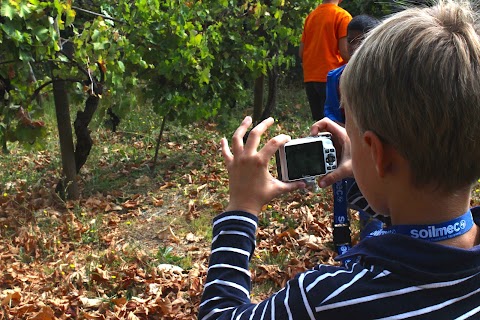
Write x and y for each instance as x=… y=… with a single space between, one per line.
x=136 y=246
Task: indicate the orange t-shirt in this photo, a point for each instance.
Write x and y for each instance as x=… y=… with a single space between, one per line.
x=323 y=28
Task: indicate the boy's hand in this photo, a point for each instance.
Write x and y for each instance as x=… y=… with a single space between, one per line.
x=341 y=142
x=251 y=184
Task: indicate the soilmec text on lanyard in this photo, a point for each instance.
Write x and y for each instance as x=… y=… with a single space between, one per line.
x=431 y=232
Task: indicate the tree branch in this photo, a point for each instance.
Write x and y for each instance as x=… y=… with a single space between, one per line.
x=97 y=14
x=7 y=62
x=37 y=91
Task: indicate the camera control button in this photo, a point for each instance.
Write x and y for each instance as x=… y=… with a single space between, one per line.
x=330 y=159
x=332 y=150
x=334 y=167
x=329 y=168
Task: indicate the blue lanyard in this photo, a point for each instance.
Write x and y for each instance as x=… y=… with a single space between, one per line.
x=431 y=232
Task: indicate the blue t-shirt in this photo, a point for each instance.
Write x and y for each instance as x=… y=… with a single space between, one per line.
x=332 y=102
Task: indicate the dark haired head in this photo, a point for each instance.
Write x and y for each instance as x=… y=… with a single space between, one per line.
x=363 y=23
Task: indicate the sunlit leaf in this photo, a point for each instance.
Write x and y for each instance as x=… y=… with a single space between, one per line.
x=7 y=10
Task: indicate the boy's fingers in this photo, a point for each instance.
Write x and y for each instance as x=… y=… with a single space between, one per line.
x=237 y=139
x=226 y=153
x=272 y=145
x=339 y=134
x=326 y=125
x=342 y=172
x=255 y=135
x=292 y=186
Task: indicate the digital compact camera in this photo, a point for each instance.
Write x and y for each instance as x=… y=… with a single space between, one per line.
x=306 y=158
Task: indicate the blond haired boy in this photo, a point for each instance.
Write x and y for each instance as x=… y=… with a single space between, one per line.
x=412 y=143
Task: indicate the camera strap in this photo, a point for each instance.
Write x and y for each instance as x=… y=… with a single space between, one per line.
x=431 y=232
x=341 y=223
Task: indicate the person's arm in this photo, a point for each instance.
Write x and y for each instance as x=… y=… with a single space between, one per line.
x=343 y=48
x=227 y=289
x=226 y=292
x=331 y=108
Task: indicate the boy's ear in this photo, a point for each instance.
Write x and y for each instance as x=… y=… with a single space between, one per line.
x=379 y=152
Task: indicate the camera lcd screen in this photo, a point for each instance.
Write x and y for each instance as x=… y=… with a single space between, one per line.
x=305 y=160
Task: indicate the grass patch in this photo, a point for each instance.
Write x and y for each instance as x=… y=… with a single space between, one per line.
x=167 y=256
x=262 y=290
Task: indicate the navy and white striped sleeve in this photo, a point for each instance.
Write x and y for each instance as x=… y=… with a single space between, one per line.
x=228 y=279
x=227 y=290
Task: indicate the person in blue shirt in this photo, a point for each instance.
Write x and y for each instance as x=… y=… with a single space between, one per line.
x=357 y=29
x=343 y=191
x=416 y=163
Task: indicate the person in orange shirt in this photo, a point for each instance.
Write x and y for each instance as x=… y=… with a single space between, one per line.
x=323 y=48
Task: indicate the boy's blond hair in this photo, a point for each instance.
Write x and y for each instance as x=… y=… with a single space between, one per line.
x=415 y=82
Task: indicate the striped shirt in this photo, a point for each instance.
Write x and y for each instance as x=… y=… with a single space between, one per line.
x=390 y=277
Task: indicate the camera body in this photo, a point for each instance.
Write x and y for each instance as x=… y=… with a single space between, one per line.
x=306 y=158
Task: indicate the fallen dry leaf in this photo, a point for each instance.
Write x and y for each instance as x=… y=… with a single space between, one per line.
x=168 y=234
x=12 y=299
x=46 y=313
x=91 y=303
